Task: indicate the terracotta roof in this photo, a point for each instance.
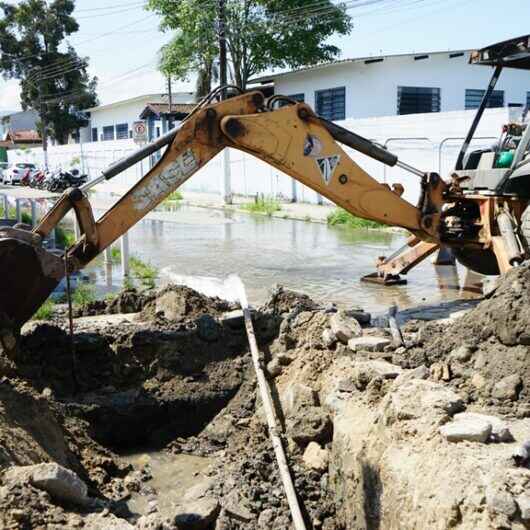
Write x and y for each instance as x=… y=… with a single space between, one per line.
x=163 y=108
x=24 y=136
x=12 y=138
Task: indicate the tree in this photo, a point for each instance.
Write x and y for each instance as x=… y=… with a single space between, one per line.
x=54 y=79
x=260 y=34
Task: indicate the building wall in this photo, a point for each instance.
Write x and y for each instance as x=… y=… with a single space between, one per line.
x=371 y=89
x=429 y=142
x=124 y=113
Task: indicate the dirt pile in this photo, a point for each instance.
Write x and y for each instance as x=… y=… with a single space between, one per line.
x=485 y=353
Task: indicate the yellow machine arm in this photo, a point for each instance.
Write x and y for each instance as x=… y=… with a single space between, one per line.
x=292 y=139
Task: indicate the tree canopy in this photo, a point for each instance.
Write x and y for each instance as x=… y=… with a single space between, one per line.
x=260 y=34
x=54 y=79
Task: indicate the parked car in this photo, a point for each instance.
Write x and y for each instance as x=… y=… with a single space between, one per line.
x=15 y=172
x=3 y=169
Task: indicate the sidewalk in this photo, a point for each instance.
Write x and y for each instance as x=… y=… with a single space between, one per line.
x=300 y=211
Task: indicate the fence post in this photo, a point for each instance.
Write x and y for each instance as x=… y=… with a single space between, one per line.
x=18 y=211
x=294 y=191
x=124 y=242
x=226 y=187
x=33 y=212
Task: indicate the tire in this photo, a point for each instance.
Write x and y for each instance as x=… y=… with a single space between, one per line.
x=481 y=261
x=525 y=230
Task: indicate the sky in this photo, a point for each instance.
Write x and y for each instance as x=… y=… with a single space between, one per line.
x=122 y=39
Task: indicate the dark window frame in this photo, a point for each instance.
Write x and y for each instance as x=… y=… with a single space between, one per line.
x=418 y=100
x=300 y=97
x=94 y=134
x=106 y=129
x=473 y=97
x=330 y=103
x=122 y=131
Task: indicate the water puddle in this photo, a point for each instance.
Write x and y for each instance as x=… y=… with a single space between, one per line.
x=173 y=475
x=327 y=263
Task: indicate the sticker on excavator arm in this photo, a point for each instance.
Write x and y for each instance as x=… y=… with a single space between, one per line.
x=170 y=178
x=327 y=166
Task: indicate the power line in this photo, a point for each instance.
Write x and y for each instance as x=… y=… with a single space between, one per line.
x=115 y=6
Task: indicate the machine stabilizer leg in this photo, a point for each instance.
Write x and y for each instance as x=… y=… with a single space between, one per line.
x=400 y=262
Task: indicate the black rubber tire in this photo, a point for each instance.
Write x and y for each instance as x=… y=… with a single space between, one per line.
x=525 y=230
x=481 y=261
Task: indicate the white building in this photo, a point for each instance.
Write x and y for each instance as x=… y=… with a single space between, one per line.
x=387 y=85
x=114 y=121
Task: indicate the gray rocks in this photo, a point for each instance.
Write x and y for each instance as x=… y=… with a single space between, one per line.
x=371 y=344
x=233 y=319
x=198 y=515
x=295 y=397
x=313 y=425
x=462 y=353
x=361 y=317
x=469 y=430
x=524 y=506
x=500 y=501
x=328 y=338
x=61 y=483
x=365 y=371
x=316 y=458
x=500 y=431
x=418 y=399
x=344 y=327
x=507 y=388
x=274 y=368
x=420 y=372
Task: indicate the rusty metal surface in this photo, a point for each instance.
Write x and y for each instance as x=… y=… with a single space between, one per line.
x=24 y=285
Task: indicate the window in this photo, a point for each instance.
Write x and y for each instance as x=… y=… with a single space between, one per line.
x=331 y=103
x=415 y=100
x=108 y=132
x=122 y=131
x=474 y=97
x=297 y=97
x=158 y=132
x=94 y=134
x=528 y=100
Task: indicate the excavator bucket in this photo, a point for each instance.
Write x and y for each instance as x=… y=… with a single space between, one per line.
x=28 y=275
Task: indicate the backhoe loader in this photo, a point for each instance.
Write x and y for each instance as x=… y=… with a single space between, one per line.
x=480 y=212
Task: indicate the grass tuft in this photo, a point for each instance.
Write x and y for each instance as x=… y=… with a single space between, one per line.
x=83 y=294
x=263 y=205
x=174 y=196
x=339 y=216
x=145 y=272
x=45 y=311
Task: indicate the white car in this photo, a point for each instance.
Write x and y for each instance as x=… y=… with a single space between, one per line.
x=15 y=172
x=3 y=169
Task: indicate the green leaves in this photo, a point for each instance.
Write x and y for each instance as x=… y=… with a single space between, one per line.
x=53 y=82
x=260 y=34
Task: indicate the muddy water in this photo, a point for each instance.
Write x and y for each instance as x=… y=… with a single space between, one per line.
x=173 y=476
x=325 y=262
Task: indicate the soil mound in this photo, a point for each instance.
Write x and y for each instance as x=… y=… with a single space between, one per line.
x=484 y=353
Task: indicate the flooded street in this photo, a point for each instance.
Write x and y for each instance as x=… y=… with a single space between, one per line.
x=325 y=262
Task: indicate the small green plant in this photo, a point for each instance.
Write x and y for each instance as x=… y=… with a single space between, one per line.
x=128 y=284
x=174 y=196
x=75 y=161
x=83 y=294
x=340 y=216
x=64 y=237
x=307 y=219
x=115 y=255
x=145 y=272
x=45 y=311
x=109 y=297
x=263 y=205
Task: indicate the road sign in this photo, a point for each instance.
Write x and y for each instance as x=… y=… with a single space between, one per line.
x=139 y=129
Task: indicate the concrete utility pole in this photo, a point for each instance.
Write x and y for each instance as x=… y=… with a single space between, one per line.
x=170 y=95
x=226 y=184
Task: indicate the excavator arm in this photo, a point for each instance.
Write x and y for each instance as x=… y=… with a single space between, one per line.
x=292 y=139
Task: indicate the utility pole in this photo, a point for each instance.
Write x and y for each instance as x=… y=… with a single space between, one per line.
x=170 y=95
x=221 y=15
x=226 y=185
x=44 y=125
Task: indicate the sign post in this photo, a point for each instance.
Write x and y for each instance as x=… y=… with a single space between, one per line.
x=139 y=129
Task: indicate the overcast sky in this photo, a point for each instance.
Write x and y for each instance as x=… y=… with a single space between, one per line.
x=121 y=39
